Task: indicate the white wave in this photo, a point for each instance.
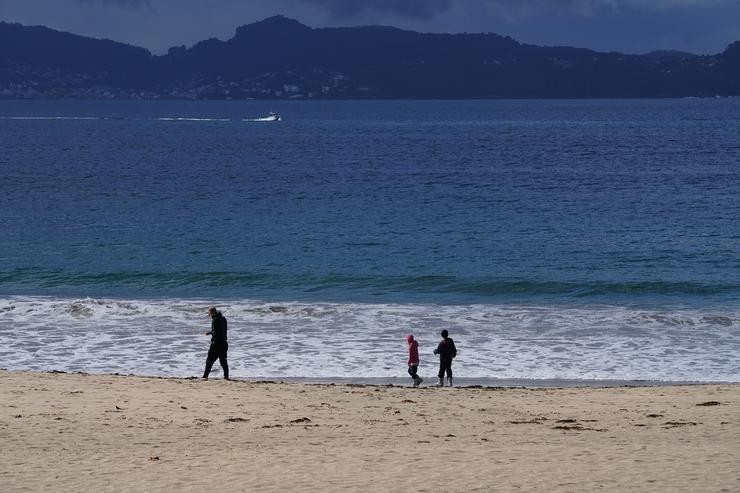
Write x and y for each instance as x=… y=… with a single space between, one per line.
x=325 y=340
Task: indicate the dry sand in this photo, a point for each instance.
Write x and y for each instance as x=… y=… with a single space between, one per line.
x=71 y=432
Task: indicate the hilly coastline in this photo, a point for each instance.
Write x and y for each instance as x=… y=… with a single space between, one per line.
x=280 y=58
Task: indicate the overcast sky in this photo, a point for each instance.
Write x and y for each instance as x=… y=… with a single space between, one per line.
x=630 y=26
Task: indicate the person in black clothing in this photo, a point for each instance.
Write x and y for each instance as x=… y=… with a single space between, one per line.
x=446 y=350
x=219 y=346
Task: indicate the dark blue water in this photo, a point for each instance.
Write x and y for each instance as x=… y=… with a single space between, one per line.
x=440 y=201
x=575 y=239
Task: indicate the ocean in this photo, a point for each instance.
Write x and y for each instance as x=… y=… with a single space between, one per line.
x=554 y=239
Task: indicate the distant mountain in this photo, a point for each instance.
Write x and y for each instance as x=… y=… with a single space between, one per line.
x=281 y=58
x=658 y=54
x=38 y=61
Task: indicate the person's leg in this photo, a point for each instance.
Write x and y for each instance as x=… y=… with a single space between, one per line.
x=448 y=370
x=224 y=363
x=413 y=371
x=210 y=359
x=441 y=374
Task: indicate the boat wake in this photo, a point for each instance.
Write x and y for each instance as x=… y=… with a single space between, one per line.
x=189 y=119
x=272 y=117
x=54 y=118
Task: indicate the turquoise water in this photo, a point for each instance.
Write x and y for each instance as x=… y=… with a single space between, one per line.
x=576 y=239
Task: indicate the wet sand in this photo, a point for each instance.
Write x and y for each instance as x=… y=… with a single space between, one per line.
x=74 y=432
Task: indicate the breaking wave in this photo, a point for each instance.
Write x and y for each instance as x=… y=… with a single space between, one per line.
x=325 y=340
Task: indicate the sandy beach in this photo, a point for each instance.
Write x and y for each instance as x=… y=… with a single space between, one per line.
x=77 y=432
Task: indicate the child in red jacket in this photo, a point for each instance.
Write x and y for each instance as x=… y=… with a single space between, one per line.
x=413 y=359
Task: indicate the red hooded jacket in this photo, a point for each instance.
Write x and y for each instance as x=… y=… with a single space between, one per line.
x=413 y=350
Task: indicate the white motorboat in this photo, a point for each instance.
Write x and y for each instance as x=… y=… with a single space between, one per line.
x=272 y=117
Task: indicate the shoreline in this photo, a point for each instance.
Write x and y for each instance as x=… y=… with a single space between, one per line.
x=77 y=432
x=472 y=383
x=460 y=382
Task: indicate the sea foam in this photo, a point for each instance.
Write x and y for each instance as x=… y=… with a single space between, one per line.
x=333 y=340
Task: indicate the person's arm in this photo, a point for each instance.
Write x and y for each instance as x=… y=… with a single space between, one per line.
x=221 y=329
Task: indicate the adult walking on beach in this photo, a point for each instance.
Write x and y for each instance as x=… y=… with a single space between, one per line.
x=413 y=359
x=447 y=351
x=219 y=346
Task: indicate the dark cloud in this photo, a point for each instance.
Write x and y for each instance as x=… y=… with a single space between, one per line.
x=526 y=8
x=123 y=4
x=631 y=26
x=429 y=9
x=416 y=9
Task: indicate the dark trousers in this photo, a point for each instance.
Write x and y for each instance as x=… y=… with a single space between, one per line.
x=445 y=366
x=217 y=352
x=412 y=371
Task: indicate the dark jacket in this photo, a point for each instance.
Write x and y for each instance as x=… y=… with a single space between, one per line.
x=218 y=330
x=446 y=349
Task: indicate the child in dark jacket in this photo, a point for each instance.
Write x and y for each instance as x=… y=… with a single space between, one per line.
x=413 y=359
x=446 y=351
